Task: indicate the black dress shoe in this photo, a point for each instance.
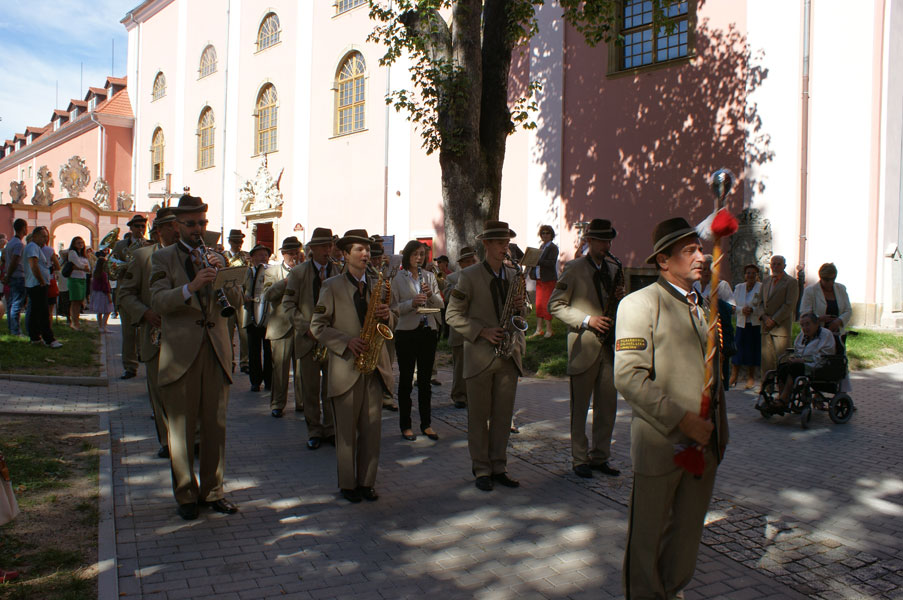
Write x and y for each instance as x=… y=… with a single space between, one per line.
x=605 y=469
x=460 y=404
x=433 y=436
x=189 y=511
x=506 y=481
x=393 y=407
x=313 y=443
x=484 y=483
x=329 y=439
x=435 y=382
x=583 y=471
x=163 y=452
x=128 y=374
x=351 y=496
x=255 y=388
x=222 y=506
x=410 y=437
x=246 y=370
x=267 y=387
x=299 y=409
x=277 y=413
x=367 y=493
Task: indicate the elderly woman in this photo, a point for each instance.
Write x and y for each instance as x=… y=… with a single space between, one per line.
x=828 y=299
x=810 y=348
x=546 y=275
x=748 y=338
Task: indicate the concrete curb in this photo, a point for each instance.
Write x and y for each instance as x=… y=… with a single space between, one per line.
x=108 y=575
x=101 y=380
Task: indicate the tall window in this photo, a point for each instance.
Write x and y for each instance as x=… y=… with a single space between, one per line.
x=266 y=121
x=208 y=62
x=268 y=34
x=645 y=43
x=159 y=86
x=343 y=5
x=157 y=155
x=205 y=139
x=350 y=101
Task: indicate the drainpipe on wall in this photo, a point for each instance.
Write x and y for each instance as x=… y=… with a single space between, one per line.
x=386 y=150
x=103 y=143
x=804 y=145
x=225 y=121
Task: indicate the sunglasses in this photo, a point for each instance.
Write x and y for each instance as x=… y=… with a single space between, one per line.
x=192 y=223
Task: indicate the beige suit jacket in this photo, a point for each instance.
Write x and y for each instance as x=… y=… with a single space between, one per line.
x=279 y=319
x=660 y=371
x=573 y=299
x=451 y=280
x=298 y=301
x=778 y=301
x=134 y=297
x=185 y=322
x=335 y=323
x=471 y=310
x=404 y=288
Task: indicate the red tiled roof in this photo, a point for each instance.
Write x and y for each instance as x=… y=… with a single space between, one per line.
x=115 y=81
x=118 y=105
x=59 y=113
x=19 y=136
x=35 y=130
x=78 y=103
x=101 y=92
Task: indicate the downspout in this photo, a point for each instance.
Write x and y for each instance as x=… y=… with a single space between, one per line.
x=102 y=143
x=222 y=228
x=386 y=151
x=804 y=134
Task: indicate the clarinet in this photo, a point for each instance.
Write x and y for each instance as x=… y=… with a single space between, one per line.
x=611 y=307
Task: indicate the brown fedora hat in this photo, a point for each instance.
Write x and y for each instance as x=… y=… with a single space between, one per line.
x=353 y=236
x=261 y=247
x=236 y=234
x=189 y=204
x=496 y=230
x=290 y=243
x=137 y=220
x=600 y=229
x=164 y=215
x=321 y=235
x=465 y=252
x=667 y=233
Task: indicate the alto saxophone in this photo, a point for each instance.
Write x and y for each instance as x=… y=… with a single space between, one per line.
x=374 y=332
x=511 y=320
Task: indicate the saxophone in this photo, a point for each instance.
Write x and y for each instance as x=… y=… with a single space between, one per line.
x=374 y=332
x=611 y=307
x=511 y=320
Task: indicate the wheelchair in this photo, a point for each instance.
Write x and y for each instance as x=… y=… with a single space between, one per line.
x=820 y=390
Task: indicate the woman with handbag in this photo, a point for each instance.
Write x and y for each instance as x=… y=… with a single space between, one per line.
x=76 y=280
x=546 y=275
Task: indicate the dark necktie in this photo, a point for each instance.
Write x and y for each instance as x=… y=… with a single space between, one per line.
x=694 y=304
x=360 y=298
x=318 y=282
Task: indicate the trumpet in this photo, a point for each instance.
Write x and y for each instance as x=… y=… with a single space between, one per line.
x=226 y=309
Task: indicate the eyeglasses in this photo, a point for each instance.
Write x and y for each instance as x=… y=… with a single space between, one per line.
x=192 y=223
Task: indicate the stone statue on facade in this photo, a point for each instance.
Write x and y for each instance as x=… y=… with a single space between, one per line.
x=74 y=176
x=17 y=192
x=262 y=193
x=752 y=244
x=102 y=193
x=43 y=196
x=124 y=201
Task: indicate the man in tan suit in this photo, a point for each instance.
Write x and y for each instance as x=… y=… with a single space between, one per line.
x=238 y=257
x=121 y=250
x=302 y=291
x=195 y=361
x=339 y=316
x=777 y=302
x=280 y=332
x=474 y=311
x=135 y=300
x=255 y=321
x=466 y=257
x=582 y=298
x=660 y=370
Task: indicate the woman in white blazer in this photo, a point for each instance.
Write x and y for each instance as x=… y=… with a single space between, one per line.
x=748 y=337
x=416 y=335
x=828 y=299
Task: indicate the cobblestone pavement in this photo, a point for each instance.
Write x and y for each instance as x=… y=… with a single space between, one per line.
x=796 y=513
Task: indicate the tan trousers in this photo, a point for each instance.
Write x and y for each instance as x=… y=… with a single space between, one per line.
x=358 y=429
x=773 y=346
x=237 y=321
x=284 y=360
x=490 y=405
x=596 y=382
x=201 y=394
x=459 y=388
x=313 y=385
x=667 y=514
x=153 y=391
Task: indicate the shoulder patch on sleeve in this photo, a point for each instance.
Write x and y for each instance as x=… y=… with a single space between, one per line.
x=561 y=285
x=319 y=309
x=630 y=344
x=289 y=292
x=157 y=277
x=456 y=293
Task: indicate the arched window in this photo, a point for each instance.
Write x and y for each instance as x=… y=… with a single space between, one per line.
x=159 y=86
x=350 y=95
x=268 y=34
x=208 y=62
x=266 y=120
x=205 y=139
x=157 y=155
x=345 y=5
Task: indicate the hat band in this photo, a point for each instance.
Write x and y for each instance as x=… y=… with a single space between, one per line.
x=669 y=239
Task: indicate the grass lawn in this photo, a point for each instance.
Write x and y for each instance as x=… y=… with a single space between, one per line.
x=867 y=349
x=53 y=464
x=80 y=354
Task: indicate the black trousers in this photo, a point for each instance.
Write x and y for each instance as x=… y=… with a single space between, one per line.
x=259 y=373
x=415 y=347
x=793 y=369
x=39 y=317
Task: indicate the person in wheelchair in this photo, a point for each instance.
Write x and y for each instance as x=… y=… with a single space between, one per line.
x=810 y=349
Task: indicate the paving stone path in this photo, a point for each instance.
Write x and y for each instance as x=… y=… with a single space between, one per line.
x=796 y=513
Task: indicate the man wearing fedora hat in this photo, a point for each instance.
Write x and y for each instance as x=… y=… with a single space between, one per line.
x=255 y=320
x=356 y=397
x=195 y=360
x=582 y=297
x=475 y=310
x=238 y=257
x=660 y=370
x=280 y=329
x=466 y=256
x=134 y=239
x=302 y=291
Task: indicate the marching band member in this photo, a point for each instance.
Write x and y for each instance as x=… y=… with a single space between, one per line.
x=466 y=256
x=584 y=299
x=378 y=260
x=302 y=291
x=255 y=321
x=280 y=330
x=338 y=319
x=476 y=307
x=238 y=257
x=137 y=226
